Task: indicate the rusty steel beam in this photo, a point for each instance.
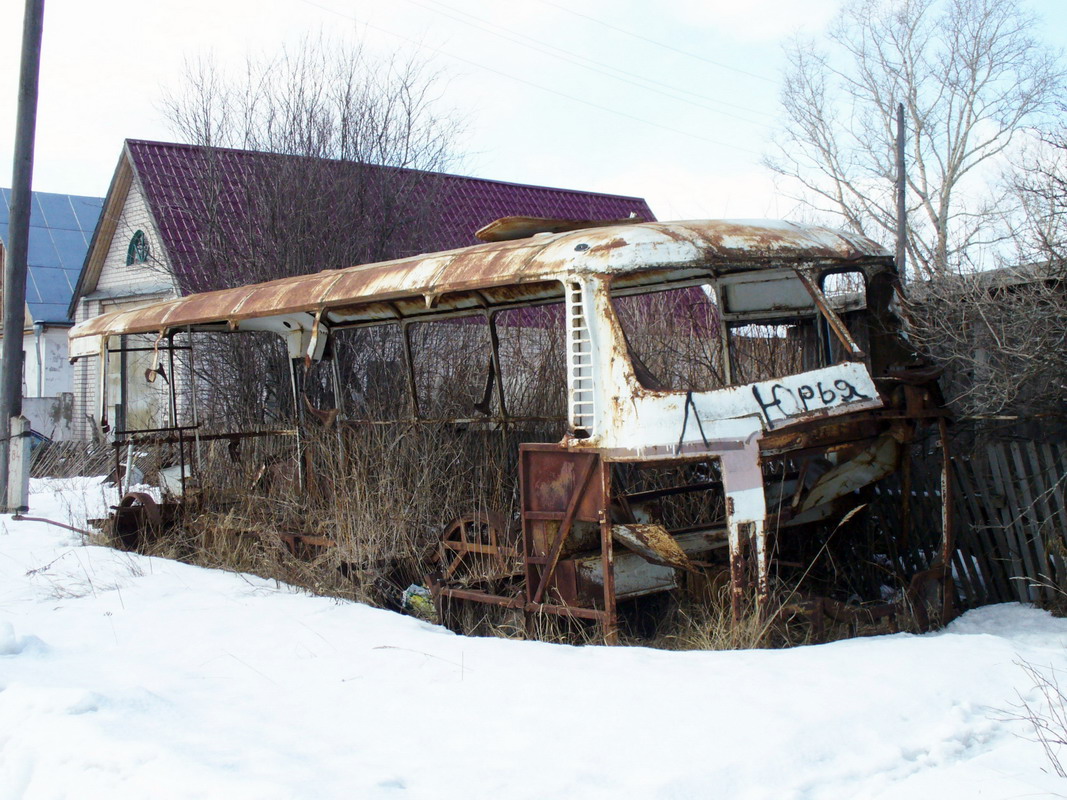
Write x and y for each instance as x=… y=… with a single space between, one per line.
x=607 y=557
x=839 y=328
x=653 y=494
x=518 y=603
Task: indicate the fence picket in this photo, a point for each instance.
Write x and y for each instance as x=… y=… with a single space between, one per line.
x=1027 y=522
x=974 y=528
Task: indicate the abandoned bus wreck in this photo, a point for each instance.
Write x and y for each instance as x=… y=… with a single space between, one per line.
x=736 y=401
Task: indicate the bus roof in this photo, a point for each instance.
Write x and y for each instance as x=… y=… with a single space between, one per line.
x=497 y=274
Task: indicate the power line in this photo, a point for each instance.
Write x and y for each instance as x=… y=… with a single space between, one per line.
x=557 y=92
x=591 y=64
x=672 y=48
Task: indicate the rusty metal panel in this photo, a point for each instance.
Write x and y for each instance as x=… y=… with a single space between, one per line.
x=564 y=587
x=580 y=581
x=549 y=476
x=543 y=532
x=877 y=461
x=782 y=291
x=508 y=228
x=653 y=543
x=634 y=577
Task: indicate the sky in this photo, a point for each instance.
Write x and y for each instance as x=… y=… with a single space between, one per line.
x=674 y=102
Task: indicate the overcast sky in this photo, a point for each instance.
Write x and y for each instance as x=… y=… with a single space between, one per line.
x=670 y=101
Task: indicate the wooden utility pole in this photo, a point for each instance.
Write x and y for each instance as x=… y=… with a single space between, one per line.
x=902 y=218
x=18 y=238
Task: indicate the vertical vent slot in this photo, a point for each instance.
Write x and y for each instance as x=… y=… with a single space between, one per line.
x=580 y=363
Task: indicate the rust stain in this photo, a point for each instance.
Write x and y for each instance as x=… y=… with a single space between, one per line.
x=719 y=247
x=605 y=247
x=653 y=543
x=553 y=492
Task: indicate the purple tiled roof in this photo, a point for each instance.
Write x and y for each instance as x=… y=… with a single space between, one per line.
x=199 y=194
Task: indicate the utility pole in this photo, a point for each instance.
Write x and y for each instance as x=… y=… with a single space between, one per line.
x=902 y=219
x=18 y=236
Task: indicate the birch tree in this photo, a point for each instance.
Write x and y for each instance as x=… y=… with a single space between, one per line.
x=971 y=75
x=1040 y=181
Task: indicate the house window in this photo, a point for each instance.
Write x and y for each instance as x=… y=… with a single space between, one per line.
x=137 y=252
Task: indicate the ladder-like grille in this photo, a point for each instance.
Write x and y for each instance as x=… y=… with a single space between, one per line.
x=580 y=356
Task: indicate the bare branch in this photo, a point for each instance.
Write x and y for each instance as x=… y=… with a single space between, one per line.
x=971 y=76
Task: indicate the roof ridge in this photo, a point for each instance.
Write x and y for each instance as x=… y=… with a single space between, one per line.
x=203 y=196
x=449 y=175
x=36 y=192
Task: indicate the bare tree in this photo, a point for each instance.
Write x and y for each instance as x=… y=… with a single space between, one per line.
x=350 y=145
x=970 y=74
x=1040 y=181
x=326 y=99
x=320 y=157
x=1001 y=337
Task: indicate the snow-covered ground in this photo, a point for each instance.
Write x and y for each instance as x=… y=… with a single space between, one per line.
x=130 y=677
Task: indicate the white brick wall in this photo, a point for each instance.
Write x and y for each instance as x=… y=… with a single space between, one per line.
x=120 y=286
x=46 y=372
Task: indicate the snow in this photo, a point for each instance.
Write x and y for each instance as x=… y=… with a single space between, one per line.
x=123 y=676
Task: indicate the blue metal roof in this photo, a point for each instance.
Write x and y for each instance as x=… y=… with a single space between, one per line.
x=61 y=227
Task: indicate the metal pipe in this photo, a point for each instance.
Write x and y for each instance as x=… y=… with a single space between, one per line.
x=38 y=329
x=607 y=555
x=498 y=377
x=122 y=417
x=298 y=421
x=172 y=394
x=172 y=384
x=193 y=396
x=409 y=367
x=82 y=531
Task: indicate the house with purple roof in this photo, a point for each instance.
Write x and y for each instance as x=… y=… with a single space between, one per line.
x=60 y=229
x=180 y=219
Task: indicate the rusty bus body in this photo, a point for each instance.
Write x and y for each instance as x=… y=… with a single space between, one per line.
x=776 y=456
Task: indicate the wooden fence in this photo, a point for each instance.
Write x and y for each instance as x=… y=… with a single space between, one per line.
x=1011 y=514
x=1012 y=523
x=70 y=459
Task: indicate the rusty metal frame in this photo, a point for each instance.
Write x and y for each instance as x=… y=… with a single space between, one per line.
x=498 y=376
x=826 y=310
x=548 y=570
x=591 y=485
x=409 y=370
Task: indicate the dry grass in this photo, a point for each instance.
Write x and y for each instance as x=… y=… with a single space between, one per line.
x=356 y=508
x=712 y=627
x=381 y=516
